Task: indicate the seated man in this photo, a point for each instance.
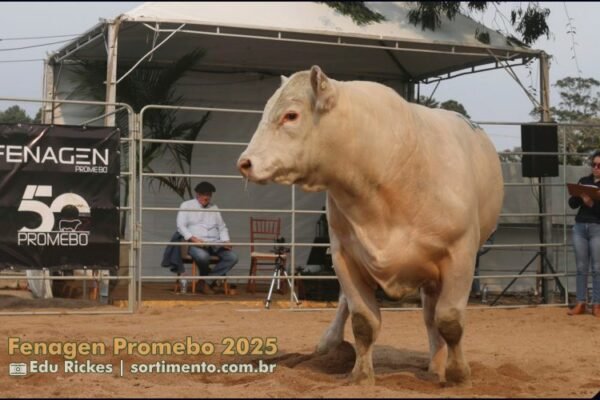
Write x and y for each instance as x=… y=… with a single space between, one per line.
x=201 y=228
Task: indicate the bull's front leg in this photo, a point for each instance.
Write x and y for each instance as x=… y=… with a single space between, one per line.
x=437 y=346
x=365 y=316
x=334 y=335
x=450 y=309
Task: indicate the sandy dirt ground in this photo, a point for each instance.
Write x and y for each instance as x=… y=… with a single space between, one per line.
x=532 y=352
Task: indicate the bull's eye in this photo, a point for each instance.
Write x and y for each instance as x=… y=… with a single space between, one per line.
x=290 y=116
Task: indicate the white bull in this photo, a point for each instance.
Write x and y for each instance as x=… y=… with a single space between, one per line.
x=413 y=193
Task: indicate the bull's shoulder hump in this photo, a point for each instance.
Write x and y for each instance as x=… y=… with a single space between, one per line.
x=369 y=86
x=474 y=126
x=374 y=91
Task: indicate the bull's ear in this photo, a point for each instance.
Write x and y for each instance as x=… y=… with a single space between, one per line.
x=323 y=89
x=284 y=79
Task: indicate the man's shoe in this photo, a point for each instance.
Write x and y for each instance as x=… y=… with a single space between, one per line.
x=596 y=310
x=205 y=289
x=577 y=310
x=215 y=286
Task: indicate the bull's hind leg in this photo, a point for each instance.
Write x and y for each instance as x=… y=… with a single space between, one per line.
x=365 y=317
x=438 y=350
x=450 y=311
x=334 y=335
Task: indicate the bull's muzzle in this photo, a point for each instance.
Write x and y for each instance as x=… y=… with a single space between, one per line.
x=244 y=166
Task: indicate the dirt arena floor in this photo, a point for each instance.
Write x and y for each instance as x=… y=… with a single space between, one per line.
x=532 y=352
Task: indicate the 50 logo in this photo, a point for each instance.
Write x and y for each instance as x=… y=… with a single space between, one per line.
x=70 y=206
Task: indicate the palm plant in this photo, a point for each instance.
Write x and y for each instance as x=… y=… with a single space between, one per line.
x=150 y=84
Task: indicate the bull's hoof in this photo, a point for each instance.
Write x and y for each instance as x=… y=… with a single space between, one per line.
x=327 y=344
x=457 y=375
x=361 y=378
x=436 y=369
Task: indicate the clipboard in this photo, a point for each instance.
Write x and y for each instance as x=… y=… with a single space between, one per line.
x=576 y=189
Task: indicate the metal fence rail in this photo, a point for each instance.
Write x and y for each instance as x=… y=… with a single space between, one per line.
x=129 y=175
x=135 y=241
x=293 y=211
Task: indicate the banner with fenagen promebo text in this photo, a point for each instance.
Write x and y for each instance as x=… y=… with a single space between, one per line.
x=59 y=197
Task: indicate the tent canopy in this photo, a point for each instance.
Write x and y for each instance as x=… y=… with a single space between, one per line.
x=287 y=37
x=246 y=46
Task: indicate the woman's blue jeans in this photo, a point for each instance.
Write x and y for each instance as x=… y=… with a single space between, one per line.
x=586 y=241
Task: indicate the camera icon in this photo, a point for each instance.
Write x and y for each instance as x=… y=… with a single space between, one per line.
x=17 y=369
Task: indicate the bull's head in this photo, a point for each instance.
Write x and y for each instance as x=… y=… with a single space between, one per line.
x=287 y=146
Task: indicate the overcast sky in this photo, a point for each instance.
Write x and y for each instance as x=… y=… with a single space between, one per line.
x=487 y=96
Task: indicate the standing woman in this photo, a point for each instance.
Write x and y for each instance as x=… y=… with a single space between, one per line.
x=586 y=241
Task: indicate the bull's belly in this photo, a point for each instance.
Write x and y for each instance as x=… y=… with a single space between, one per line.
x=399 y=290
x=405 y=280
x=401 y=275
x=404 y=261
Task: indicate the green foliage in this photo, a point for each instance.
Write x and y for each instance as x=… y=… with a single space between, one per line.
x=356 y=10
x=510 y=157
x=483 y=37
x=530 y=23
x=580 y=102
x=454 y=105
x=14 y=115
x=427 y=13
x=38 y=116
x=428 y=102
x=451 y=105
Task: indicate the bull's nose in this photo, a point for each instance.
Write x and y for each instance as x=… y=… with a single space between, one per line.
x=244 y=165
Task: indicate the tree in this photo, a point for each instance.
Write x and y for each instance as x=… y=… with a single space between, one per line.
x=14 y=115
x=356 y=10
x=511 y=156
x=451 y=105
x=454 y=105
x=529 y=22
x=428 y=102
x=580 y=103
x=38 y=117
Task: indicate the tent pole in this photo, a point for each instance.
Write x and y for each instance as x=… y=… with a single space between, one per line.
x=48 y=90
x=111 y=73
x=544 y=191
x=544 y=87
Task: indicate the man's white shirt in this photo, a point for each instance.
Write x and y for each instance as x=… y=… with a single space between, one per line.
x=205 y=225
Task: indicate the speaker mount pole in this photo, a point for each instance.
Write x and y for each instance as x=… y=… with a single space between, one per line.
x=545 y=226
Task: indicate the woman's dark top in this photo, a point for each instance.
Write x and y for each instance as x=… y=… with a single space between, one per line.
x=586 y=214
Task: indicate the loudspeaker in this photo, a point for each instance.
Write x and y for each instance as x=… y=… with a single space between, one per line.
x=539 y=138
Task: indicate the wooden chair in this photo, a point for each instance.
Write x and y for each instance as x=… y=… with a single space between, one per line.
x=187 y=259
x=268 y=231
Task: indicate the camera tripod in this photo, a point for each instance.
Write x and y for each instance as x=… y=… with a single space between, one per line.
x=277 y=272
